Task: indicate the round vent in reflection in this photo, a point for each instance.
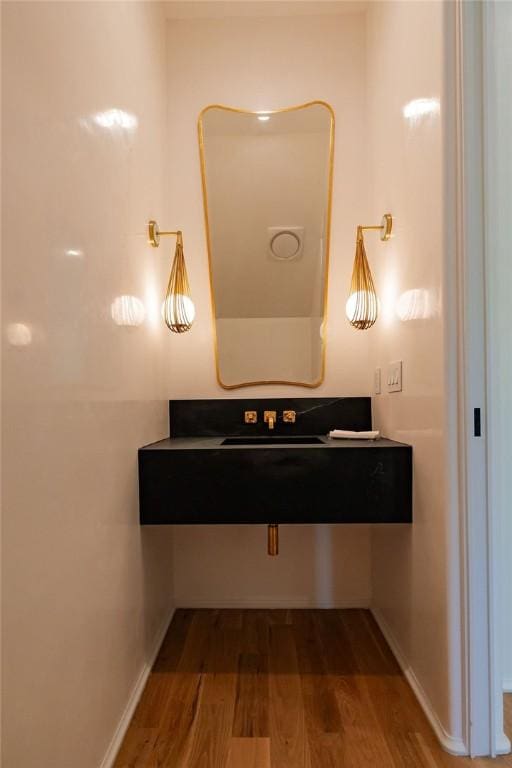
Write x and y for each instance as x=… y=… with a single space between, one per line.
x=285 y=243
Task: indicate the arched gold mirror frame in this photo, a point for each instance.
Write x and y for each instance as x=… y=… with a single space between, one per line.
x=325 y=104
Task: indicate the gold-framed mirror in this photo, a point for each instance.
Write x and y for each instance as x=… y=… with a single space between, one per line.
x=267 y=189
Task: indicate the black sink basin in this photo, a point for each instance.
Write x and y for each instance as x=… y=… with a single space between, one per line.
x=271 y=440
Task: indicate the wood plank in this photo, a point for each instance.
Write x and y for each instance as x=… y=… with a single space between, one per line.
x=137 y=749
x=249 y=753
x=174 y=641
x=178 y=720
x=386 y=691
x=230 y=618
x=364 y=745
x=155 y=697
x=288 y=743
x=318 y=686
x=507 y=707
x=255 y=631
x=252 y=696
x=426 y=751
x=321 y=711
x=214 y=724
x=278 y=616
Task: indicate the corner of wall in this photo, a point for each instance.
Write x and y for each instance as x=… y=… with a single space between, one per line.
x=451 y=744
x=135 y=695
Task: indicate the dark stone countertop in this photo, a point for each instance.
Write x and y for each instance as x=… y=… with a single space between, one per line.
x=215 y=443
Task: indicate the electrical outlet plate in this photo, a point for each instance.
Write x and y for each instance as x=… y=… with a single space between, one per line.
x=394 y=379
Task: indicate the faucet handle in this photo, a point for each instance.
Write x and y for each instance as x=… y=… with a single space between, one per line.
x=289 y=416
x=251 y=417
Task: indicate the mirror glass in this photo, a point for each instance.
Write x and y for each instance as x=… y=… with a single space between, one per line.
x=267 y=192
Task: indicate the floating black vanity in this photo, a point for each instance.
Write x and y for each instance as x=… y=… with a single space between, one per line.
x=218 y=469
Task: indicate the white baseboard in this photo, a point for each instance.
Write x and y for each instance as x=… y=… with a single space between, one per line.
x=133 y=700
x=449 y=743
x=271 y=602
x=507 y=685
x=502 y=745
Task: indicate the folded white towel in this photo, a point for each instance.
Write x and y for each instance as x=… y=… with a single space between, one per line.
x=349 y=435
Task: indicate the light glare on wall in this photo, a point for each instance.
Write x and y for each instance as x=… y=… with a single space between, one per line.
x=388 y=293
x=152 y=302
x=418 y=108
x=263 y=118
x=19 y=334
x=127 y=310
x=116 y=118
x=416 y=304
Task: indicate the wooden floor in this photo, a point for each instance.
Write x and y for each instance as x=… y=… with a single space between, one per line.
x=280 y=689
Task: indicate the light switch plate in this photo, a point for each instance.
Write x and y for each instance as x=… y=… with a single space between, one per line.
x=394 y=379
x=377 y=381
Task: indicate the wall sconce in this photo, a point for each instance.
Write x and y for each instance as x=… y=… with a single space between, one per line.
x=362 y=304
x=178 y=308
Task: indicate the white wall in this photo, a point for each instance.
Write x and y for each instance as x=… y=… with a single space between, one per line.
x=499 y=290
x=412 y=566
x=262 y=63
x=86 y=591
x=228 y=566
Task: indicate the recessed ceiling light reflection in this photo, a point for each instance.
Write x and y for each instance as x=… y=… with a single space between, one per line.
x=75 y=253
x=417 y=108
x=263 y=118
x=128 y=311
x=19 y=334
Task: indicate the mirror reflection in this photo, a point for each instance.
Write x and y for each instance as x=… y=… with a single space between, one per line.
x=267 y=192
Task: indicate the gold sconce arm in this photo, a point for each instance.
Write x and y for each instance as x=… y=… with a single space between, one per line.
x=178 y=309
x=385 y=227
x=154 y=233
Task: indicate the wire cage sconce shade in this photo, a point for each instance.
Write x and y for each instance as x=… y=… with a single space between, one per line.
x=178 y=309
x=362 y=306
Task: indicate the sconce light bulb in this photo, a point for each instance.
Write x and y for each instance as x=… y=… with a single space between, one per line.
x=178 y=312
x=362 y=309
